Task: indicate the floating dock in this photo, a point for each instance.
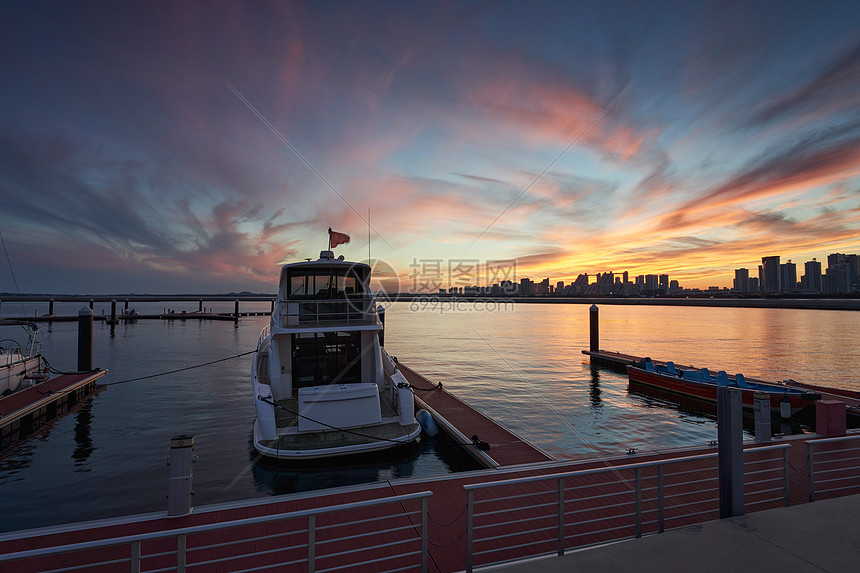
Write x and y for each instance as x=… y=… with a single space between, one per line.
x=463 y=422
x=26 y=410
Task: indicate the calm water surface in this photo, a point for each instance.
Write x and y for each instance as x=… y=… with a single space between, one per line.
x=523 y=367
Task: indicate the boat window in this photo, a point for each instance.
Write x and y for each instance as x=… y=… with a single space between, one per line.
x=326 y=357
x=316 y=284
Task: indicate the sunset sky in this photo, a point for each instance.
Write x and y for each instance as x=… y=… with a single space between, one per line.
x=171 y=147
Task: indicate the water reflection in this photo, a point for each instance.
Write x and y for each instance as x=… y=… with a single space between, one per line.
x=594 y=393
x=83 y=435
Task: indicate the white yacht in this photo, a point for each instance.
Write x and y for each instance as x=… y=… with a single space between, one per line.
x=21 y=366
x=323 y=384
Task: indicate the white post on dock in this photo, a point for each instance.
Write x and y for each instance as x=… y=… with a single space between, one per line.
x=761 y=407
x=730 y=448
x=179 y=493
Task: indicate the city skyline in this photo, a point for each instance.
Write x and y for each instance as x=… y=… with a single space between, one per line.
x=184 y=147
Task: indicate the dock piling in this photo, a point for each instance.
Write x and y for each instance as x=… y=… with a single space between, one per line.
x=51 y=306
x=85 y=339
x=380 y=310
x=113 y=311
x=730 y=448
x=179 y=492
x=236 y=311
x=594 y=328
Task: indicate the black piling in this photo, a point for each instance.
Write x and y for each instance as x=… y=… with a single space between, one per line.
x=381 y=311
x=200 y=305
x=113 y=311
x=51 y=306
x=236 y=311
x=85 y=339
x=92 y=303
x=730 y=448
x=594 y=328
x=126 y=305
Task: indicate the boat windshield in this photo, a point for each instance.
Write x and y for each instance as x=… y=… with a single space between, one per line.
x=317 y=284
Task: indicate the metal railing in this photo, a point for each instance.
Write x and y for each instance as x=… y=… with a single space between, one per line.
x=398 y=542
x=549 y=513
x=352 y=310
x=835 y=467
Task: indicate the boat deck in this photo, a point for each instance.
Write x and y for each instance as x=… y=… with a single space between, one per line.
x=286 y=418
x=338 y=438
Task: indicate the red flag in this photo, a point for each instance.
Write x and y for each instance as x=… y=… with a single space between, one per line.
x=336 y=238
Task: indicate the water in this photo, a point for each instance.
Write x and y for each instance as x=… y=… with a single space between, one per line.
x=523 y=368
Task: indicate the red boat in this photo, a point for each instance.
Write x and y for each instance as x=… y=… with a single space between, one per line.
x=699 y=384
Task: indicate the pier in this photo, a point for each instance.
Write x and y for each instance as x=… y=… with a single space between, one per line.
x=24 y=411
x=524 y=505
x=202 y=313
x=462 y=422
x=449 y=523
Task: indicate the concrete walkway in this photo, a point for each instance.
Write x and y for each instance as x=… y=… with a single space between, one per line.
x=820 y=536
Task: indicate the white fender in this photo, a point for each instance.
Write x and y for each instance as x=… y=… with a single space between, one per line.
x=428 y=424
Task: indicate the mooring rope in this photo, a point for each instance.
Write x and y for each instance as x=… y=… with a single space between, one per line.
x=180 y=369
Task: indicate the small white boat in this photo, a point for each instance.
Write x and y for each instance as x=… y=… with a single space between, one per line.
x=21 y=366
x=323 y=385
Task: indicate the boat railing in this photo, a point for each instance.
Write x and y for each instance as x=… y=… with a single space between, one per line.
x=295 y=540
x=834 y=466
x=347 y=311
x=525 y=517
x=263 y=334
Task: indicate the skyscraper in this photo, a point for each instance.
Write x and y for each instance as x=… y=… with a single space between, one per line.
x=788 y=277
x=742 y=280
x=770 y=276
x=812 y=276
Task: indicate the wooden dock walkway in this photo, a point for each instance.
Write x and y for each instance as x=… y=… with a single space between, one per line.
x=463 y=422
x=24 y=411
